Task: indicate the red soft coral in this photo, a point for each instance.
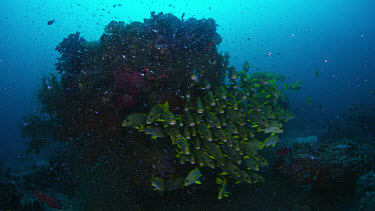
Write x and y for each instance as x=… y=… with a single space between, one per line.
x=127 y=85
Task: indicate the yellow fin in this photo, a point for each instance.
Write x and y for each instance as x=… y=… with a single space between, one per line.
x=218 y=181
x=172 y=139
x=223 y=173
x=261 y=145
x=166 y=106
x=198 y=182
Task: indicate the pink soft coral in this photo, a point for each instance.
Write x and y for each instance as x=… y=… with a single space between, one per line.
x=127 y=85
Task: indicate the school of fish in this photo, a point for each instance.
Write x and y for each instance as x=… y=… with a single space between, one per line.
x=217 y=128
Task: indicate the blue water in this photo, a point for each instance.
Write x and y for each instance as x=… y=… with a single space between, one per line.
x=293 y=37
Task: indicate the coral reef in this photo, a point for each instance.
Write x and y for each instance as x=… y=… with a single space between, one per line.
x=132 y=69
x=126 y=86
x=365 y=190
x=357 y=123
x=329 y=171
x=72 y=52
x=10 y=197
x=355 y=128
x=336 y=167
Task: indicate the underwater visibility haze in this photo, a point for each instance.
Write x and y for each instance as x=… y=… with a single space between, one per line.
x=187 y=105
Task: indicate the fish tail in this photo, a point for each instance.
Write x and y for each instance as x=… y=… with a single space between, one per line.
x=166 y=106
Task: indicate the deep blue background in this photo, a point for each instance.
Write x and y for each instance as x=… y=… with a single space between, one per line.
x=304 y=33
